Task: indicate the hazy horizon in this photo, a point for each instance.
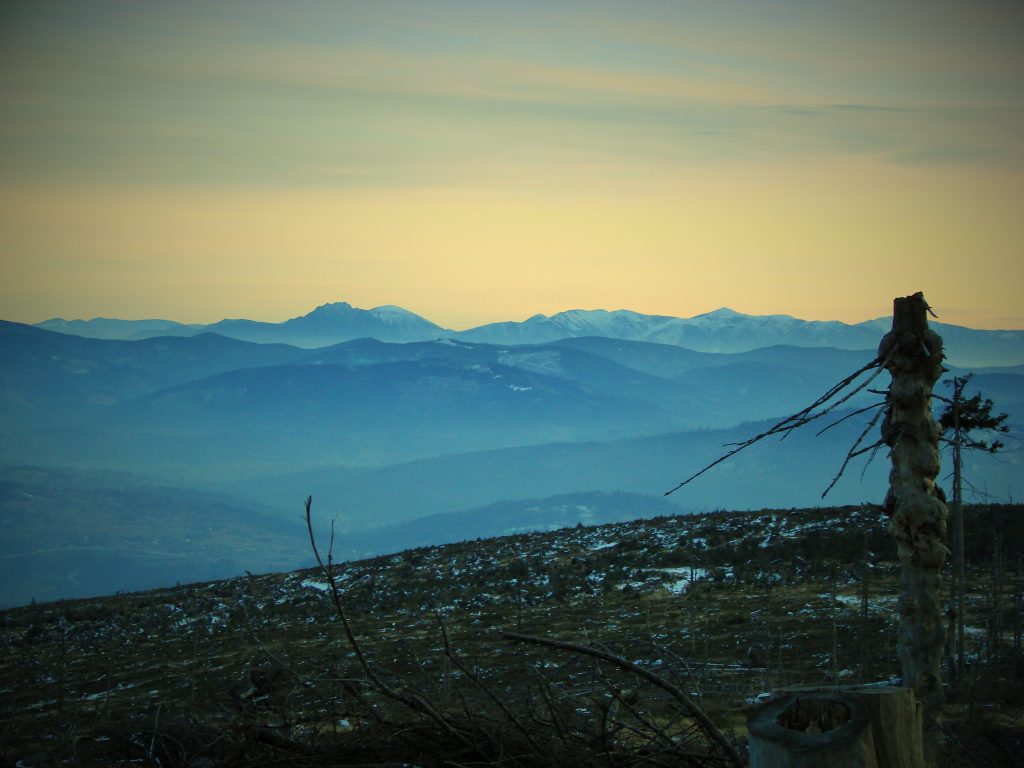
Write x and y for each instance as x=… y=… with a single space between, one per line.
x=447 y=326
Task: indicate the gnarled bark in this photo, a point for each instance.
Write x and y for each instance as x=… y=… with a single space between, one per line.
x=917 y=512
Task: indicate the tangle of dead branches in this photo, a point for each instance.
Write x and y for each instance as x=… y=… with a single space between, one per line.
x=838 y=394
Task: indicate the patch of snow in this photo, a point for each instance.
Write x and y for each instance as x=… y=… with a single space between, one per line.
x=548 y=362
x=41 y=704
x=796 y=530
x=678 y=587
x=633 y=584
x=116 y=689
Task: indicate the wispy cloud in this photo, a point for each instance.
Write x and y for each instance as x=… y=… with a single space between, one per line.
x=696 y=140
x=224 y=96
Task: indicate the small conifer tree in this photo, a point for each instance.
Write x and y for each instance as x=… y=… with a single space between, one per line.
x=964 y=423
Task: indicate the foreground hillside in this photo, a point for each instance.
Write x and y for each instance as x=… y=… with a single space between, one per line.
x=257 y=670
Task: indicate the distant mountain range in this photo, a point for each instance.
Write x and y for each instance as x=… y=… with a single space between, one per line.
x=209 y=407
x=81 y=532
x=110 y=328
x=772 y=474
x=722 y=331
x=410 y=433
x=72 y=533
x=326 y=325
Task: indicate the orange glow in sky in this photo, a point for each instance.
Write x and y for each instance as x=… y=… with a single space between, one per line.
x=483 y=162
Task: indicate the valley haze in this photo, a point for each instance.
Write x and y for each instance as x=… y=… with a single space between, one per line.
x=139 y=453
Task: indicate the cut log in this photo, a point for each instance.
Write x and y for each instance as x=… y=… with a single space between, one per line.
x=812 y=730
x=896 y=725
x=865 y=728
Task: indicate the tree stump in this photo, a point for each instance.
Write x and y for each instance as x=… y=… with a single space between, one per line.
x=896 y=725
x=859 y=728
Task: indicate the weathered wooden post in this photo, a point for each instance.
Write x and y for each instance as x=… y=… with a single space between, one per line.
x=917 y=515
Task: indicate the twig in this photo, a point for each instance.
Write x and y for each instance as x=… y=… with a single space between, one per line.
x=871 y=458
x=556 y=720
x=802 y=417
x=156 y=726
x=475 y=679
x=328 y=571
x=709 y=728
x=413 y=702
x=854 y=452
x=850 y=415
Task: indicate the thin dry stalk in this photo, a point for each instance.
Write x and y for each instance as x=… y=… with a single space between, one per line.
x=710 y=730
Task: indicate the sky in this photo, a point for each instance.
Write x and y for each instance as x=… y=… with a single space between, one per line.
x=484 y=161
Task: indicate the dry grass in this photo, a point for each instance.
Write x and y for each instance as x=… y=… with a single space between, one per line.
x=255 y=670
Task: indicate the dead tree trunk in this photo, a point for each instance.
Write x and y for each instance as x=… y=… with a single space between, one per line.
x=917 y=514
x=959 y=573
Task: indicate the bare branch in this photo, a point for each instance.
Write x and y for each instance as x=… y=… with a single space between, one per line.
x=412 y=701
x=802 y=417
x=871 y=458
x=328 y=571
x=850 y=415
x=853 y=452
x=475 y=679
x=691 y=708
